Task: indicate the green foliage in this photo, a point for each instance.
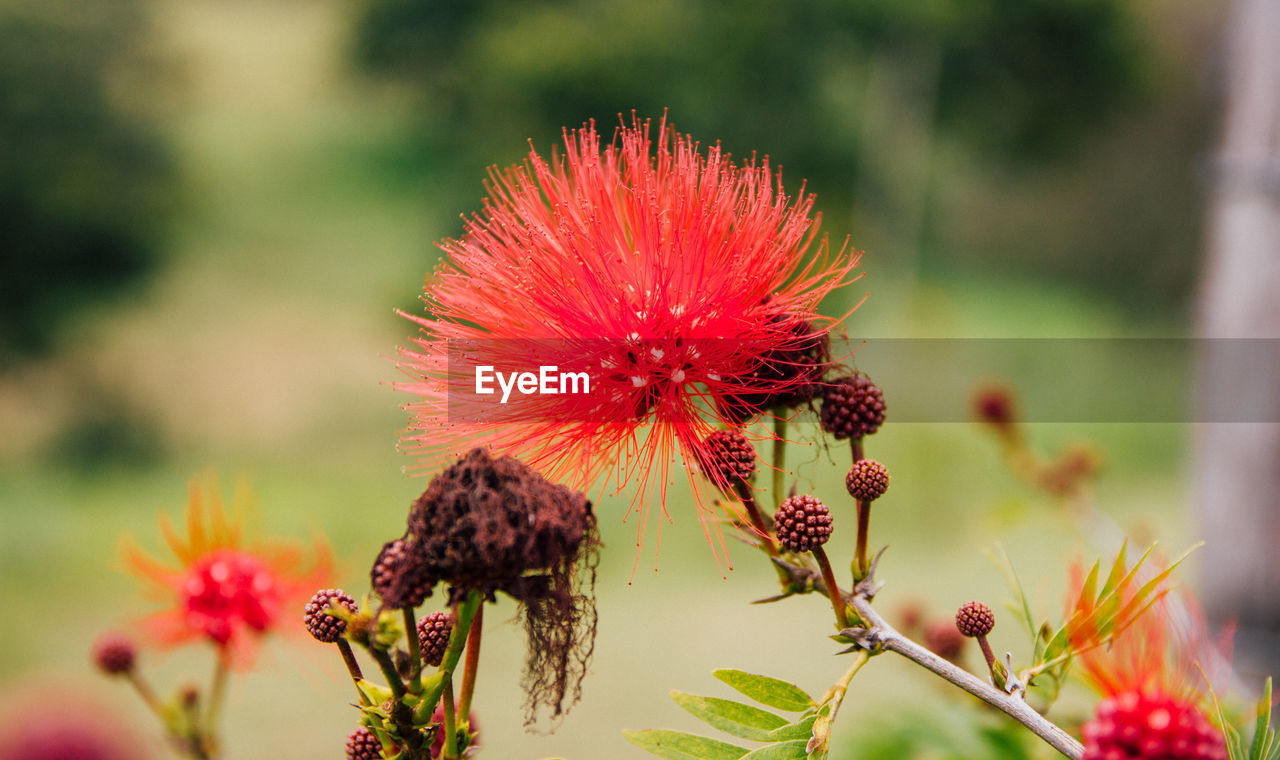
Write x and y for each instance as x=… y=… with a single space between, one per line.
x=783 y=738
x=677 y=745
x=86 y=180
x=734 y=718
x=1264 y=745
x=957 y=734
x=767 y=691
x=758 y=73
x=1097 y=616
x=1013 y=83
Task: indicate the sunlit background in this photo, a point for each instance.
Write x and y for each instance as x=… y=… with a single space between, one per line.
x=211 y=209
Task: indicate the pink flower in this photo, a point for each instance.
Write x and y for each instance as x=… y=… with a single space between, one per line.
x=674 y=279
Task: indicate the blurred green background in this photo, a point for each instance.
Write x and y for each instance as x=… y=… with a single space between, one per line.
x=211 y=208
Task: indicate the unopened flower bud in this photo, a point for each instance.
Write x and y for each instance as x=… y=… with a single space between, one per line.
x=433 y=637
x=728 y=458
x=867 y=480
x=852 y=407
x=975 y=619
x=114 y=653
x=803 y=523
x=321 y=624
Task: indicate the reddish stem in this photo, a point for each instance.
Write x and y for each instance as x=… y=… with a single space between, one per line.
x=753 y=514
x=472 y=664
x=864 y=527
x=833 y=588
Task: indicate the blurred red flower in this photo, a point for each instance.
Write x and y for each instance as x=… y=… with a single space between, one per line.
x=225 y=588
x=672 y=277
x=1149 y=677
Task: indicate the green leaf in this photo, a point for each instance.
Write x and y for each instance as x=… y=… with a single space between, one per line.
x=1117 y=569
x=1264 y=745
x=677 y=745
x=801 y=729
x=785 y=751
x=767 y=691
x=742 y=721
x=1015 y=586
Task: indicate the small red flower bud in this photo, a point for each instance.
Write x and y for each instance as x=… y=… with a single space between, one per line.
x=803 y=523
x=728 y=458
x=852 y=407
x=399 y=575
x=323 y=626
x=433 y=637
x=867 y=480
x=363 y=745
x=975 y=619
x=114 y=653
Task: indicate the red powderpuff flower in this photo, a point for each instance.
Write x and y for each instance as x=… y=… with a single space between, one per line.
x=224 y=588
x=1151 y=708
x=673 y=278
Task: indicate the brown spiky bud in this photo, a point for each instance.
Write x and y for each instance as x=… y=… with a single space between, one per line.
x=433 y=637
x=114 y=653
x=323 y=626
x=803 y=523
x=867 y=480
x=728 y=458
x=975 y=619
x=363 y=745
x=399 y=575
x=852 y=407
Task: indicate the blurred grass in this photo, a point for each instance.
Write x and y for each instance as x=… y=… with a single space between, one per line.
x=259 y=351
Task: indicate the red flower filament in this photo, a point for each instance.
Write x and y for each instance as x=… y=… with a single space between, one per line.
x=665 y=274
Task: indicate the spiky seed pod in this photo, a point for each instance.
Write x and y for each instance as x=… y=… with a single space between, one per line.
x=852 y=407
x=1151 y=726
x=975 y=619
x=729 y=459
x=942 y=638
x=399 y=575
x=490 y=524
x=363 y=745
x=114 y=653
x=485 y=522
x=323 y=626
x=803 y=523
x=433 y=637
x=867 y=480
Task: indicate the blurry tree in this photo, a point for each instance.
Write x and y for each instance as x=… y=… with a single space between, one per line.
x=85 y=179
x=1238 y=455
x=1009 y=82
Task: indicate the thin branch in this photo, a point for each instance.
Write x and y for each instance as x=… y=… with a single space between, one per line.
x=1011 y=704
